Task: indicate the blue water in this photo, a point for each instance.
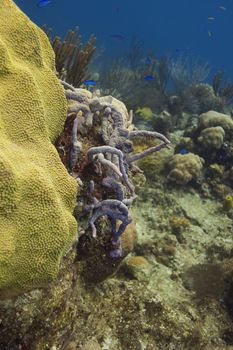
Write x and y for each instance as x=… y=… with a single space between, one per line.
x=166 y=26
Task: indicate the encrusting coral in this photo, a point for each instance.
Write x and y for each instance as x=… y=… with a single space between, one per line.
x=37 y=195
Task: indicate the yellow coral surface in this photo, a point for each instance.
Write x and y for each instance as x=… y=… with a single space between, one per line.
x=37 y=195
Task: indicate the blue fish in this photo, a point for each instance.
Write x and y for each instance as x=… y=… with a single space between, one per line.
x=148 y=60
x=117 y=36
x=43 y=3
x=148 y=77
x=177 y=50
x=89 y=82
x=183 y=151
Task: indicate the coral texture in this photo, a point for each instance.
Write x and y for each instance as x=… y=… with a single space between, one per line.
x=36 y=193
x=212 y=138
x=184 y=168
x=213 y=118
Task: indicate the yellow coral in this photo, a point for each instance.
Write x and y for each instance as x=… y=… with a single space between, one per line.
x=228 y=203
x=212 y=138
x=145 y=112
x=178 y=223
x=213 y=118
x=138 y=261
x=37 y=195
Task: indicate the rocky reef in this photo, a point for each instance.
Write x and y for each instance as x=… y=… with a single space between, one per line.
x=112 y=237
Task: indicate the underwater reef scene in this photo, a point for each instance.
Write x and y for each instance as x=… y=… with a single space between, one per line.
x=116 y=195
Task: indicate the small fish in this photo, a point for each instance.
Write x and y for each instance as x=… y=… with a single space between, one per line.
x=148 y=77
x=117 y=36
x=211 y=18
x=183 y=151
x=89 y=82
x=43 y=3
x=148 y=60
x=145 y=112
x=222 y=8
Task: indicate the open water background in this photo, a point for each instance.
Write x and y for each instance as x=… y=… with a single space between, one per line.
x=166 y=26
